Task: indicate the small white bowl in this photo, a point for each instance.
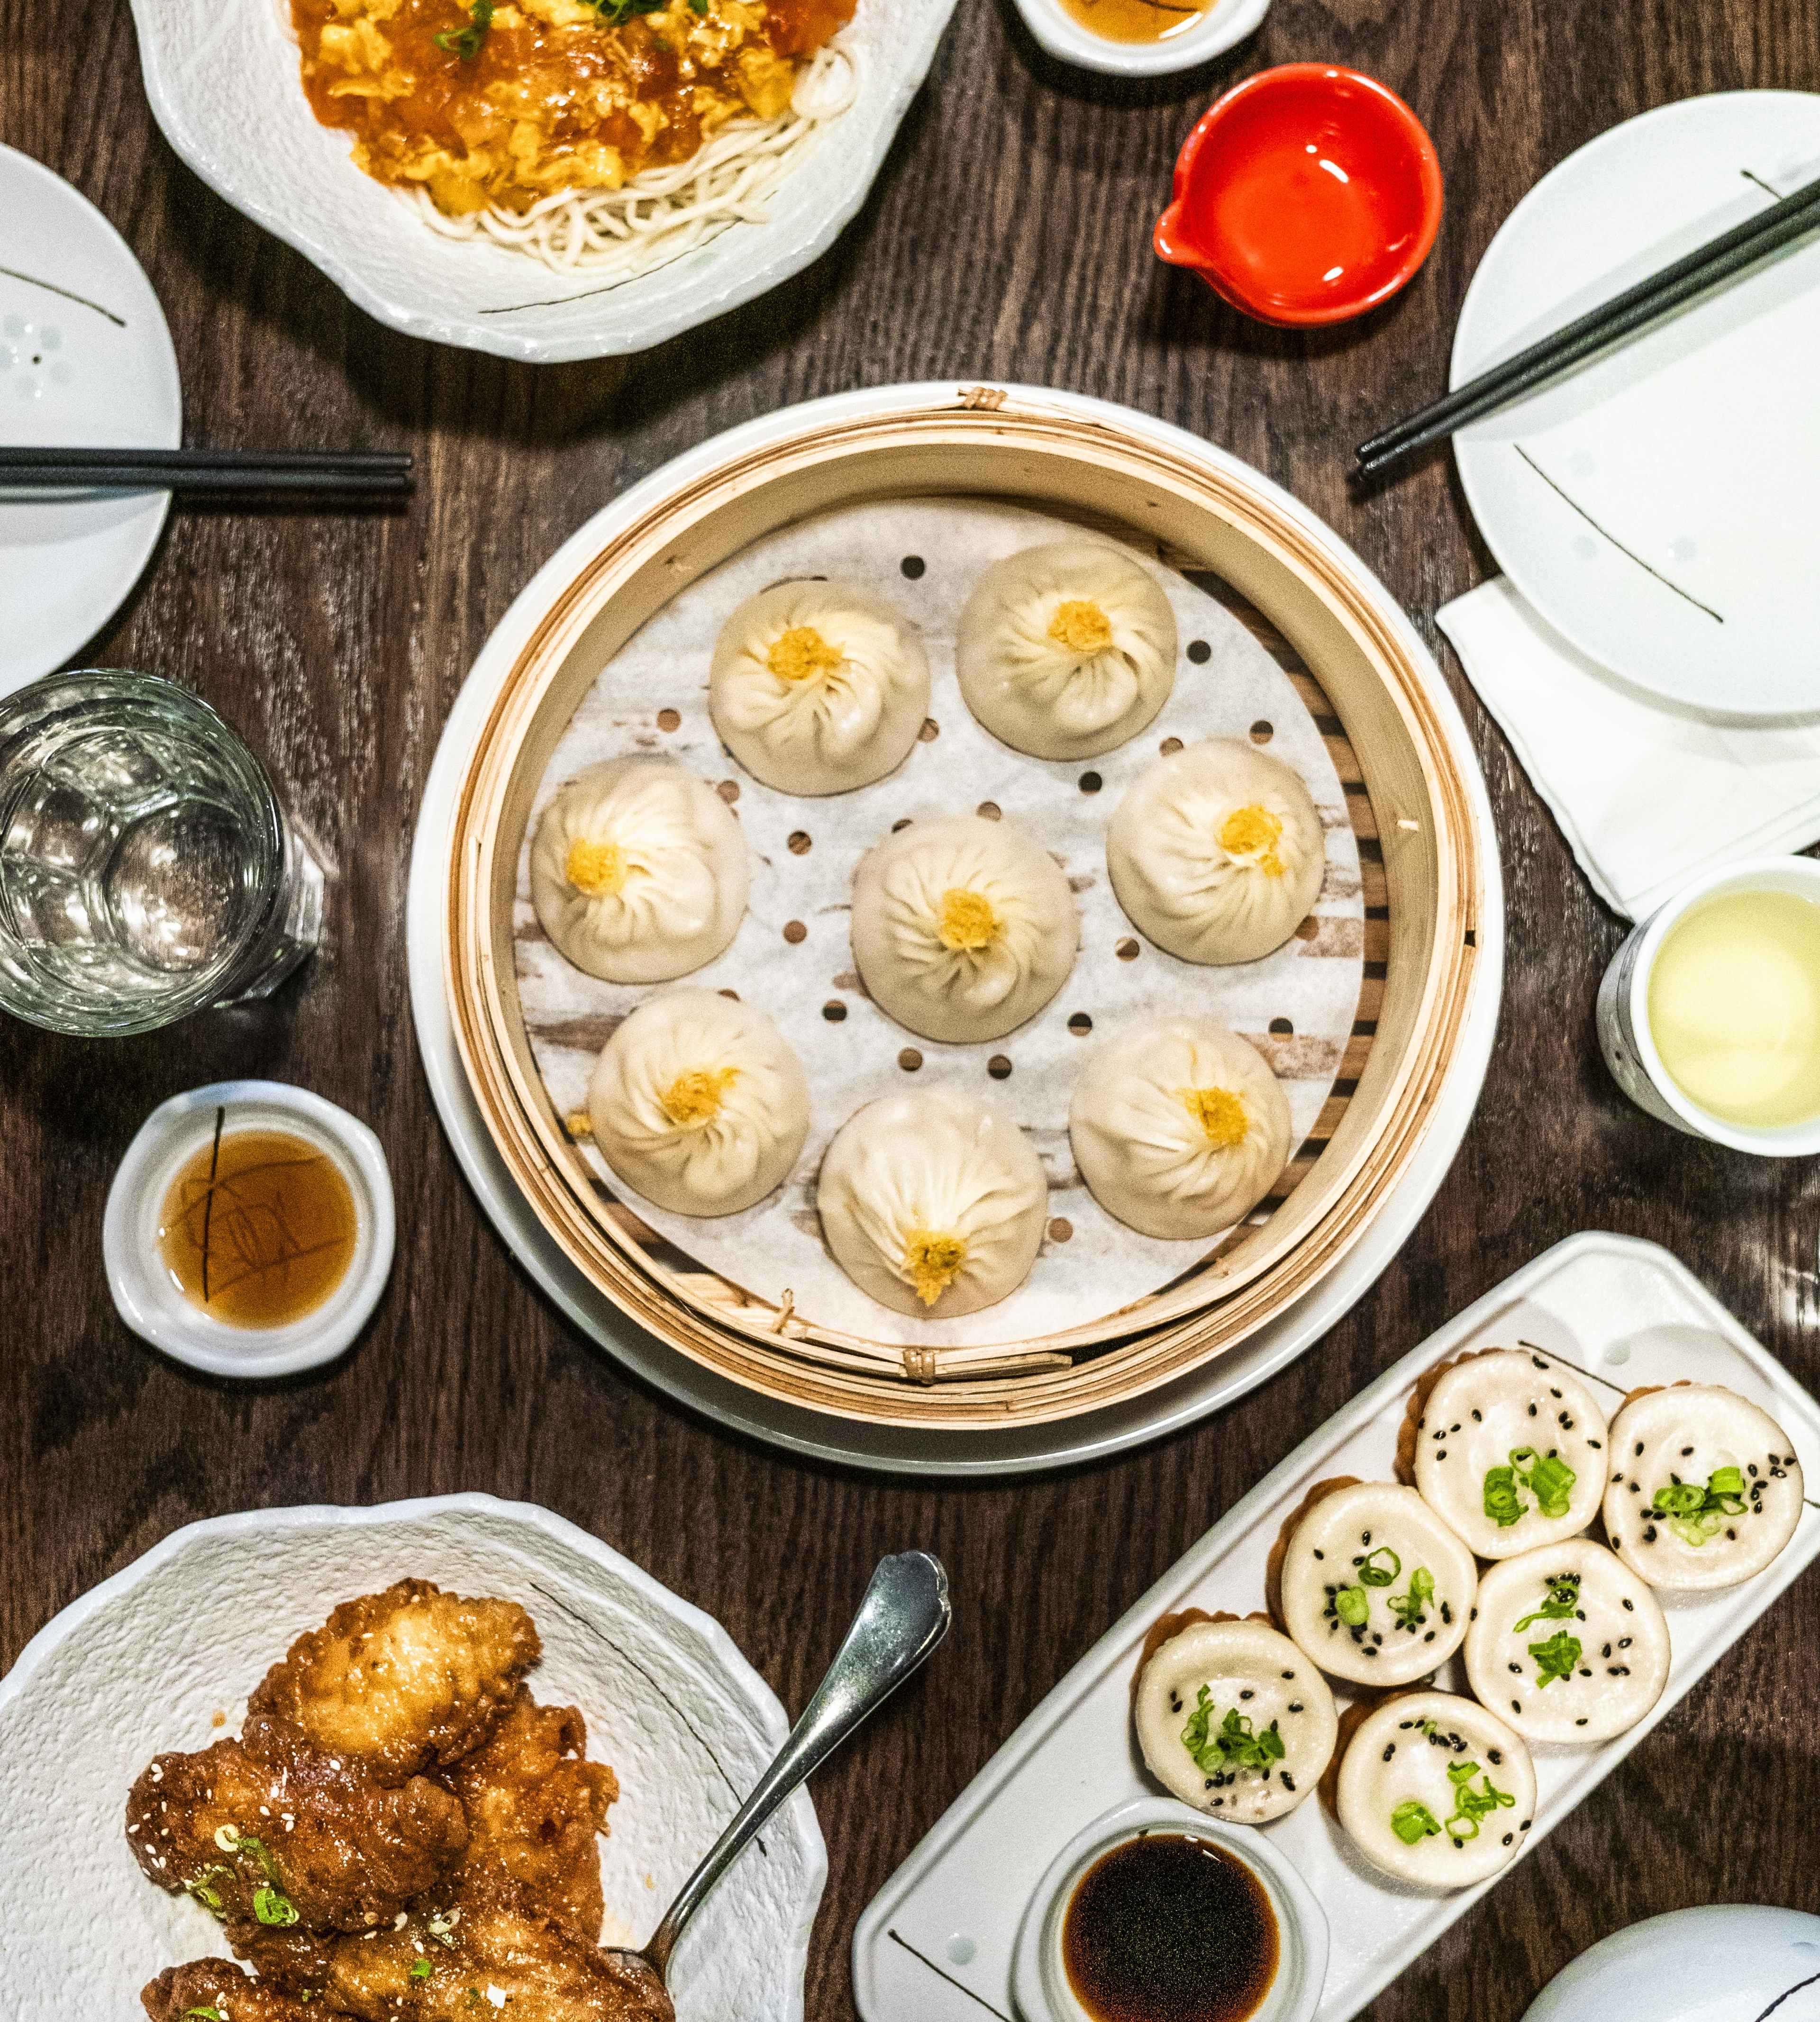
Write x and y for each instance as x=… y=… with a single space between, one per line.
x=1705 y=1965
x=1624 y=1037
x=1226 y=24
x=157 y=1311
x=1040 y=1980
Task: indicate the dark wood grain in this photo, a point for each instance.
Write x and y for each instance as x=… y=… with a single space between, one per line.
x=1007 y=238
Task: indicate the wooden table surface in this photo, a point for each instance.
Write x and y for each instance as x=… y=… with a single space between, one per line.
x=1007 y=237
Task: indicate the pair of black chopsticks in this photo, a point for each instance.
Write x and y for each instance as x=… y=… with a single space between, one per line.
x=1721 y=259
x=290 y=473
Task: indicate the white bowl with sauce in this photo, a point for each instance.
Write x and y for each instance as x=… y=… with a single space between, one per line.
x=1207 y=32
x=352 y=1183
x=1292 y=1991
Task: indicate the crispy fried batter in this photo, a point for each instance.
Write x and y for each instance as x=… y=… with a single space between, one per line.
x=535 y=1808
x=401 y=1680
x=302 y=1838
x=211 y=1988
x=493 y=1949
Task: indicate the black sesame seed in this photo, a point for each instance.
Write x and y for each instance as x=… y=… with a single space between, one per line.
x=1320 y=1554
x=1593 y=1444
x=1623 y=1642
x=1443 y=1454
x=1516 y=1705
x=1508 y=1838
x=1639 y=1449
x=1495 y=1756
x=1296 y=1706
x=1389 y=1750
x=1648 y=1533
x=1581 y=1721
x=1517 y=1668
x=1531 y=1411
x=1247 y=1694
x=1288 y=1781
x=1630 y=1605
x=1478 y=1418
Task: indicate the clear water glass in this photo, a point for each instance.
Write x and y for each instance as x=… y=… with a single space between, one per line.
x=147 y=869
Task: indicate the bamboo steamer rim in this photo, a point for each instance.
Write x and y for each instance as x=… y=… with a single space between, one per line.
x=749 y=1341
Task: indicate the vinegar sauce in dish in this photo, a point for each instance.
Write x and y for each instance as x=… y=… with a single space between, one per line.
x=1170 y=1928
x=1136 y=21
x=259 y=1227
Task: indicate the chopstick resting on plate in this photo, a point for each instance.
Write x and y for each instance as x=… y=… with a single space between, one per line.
x=1721 y=259
x=347 y=474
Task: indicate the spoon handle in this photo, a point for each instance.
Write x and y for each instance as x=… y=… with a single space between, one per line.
x=905 y=1614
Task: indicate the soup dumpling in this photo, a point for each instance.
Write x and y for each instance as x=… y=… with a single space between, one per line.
x=962 y=928
x=933 y=1203
x=1067 y=650
x=1178 y=1126
x=1217 y=854
x=638 y=871
x=1435 y=1790
x=698 y=1102
x=818 y=688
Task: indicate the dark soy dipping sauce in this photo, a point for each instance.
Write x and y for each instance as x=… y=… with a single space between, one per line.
x=1169 y=1928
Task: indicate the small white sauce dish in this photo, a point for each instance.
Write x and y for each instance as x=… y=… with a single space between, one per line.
x=1704 y=1965
x=157 y=1310
x=1039 y=1979
x=1224 y=25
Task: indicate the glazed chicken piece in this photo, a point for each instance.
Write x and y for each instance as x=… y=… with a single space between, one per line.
x=535 y=1808
x=494 y=1949
x=211 y=1988
x=294 y=1839
x=400 y=1681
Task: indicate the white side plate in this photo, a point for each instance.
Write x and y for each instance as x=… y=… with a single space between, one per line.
x=1661 y=505
x=148 y=1660
x=936 y=1944
x=85 y=361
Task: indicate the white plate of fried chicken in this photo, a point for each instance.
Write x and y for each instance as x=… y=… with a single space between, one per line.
x=417 y=1763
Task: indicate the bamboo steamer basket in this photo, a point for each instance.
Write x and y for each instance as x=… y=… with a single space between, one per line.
x=1423 y=856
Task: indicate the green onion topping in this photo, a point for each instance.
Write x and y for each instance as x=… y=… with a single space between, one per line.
x=466 y=42
x=421 y=1968
x=1413 y=1820
x=1555 y=1658
x=270 y=1906
x=1561 y=1604
x=1470 y=1805
x=1353 y=1605
x=1697 y=1514
x=1411 y=1609
x=1371 y=1574
x=1233 y=1746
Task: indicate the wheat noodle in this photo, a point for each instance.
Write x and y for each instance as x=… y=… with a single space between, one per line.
x=664 y=213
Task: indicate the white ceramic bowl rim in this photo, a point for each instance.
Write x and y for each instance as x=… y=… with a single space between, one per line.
x=1792 y=1140
x=1294 y=1993
x=1226 y=24
x=159 y=1314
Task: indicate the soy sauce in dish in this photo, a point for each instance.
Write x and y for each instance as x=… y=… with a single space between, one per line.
x=1168 y=1927
x=258 y=1227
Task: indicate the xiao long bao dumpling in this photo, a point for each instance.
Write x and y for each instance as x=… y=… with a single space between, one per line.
x=933 y=1203
x=638 y=872
x=1178 y=1126
x=817 y=688
x=962 y=928
x=698 y=1102
x=1067 y=650
x=1217 y=853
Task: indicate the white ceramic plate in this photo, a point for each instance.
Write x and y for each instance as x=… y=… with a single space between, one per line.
x=225 y=87
x=85 y=361
x=1660 y=506
x=143 y=1662
x=1721 y=1962
x=938 y=1943
x=893 y=1450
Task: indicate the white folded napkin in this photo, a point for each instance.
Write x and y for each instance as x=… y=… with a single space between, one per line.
x=1647 y=796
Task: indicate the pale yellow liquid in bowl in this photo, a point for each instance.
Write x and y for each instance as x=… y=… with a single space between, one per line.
x=1734 y=1008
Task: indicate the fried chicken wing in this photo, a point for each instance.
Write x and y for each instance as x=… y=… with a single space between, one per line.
x=297 y=1839
x=402 y=1681
x=494 y=1952
x=535 y=1808
x=210 y=1989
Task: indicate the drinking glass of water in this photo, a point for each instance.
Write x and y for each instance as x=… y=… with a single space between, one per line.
x=146 y=868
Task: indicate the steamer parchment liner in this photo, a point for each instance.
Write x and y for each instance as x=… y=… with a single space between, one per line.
x=1412 y=801
x=792 y=958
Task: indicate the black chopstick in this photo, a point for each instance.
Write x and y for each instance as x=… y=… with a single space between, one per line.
x=354 y=473
x=1719 y=259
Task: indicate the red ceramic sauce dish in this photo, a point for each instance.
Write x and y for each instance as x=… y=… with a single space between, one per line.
x=1307 y=195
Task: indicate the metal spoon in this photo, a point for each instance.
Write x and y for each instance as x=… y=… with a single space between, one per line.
x=905 y=1614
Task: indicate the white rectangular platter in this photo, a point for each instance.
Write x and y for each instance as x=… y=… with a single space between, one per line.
x=936 y=1943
